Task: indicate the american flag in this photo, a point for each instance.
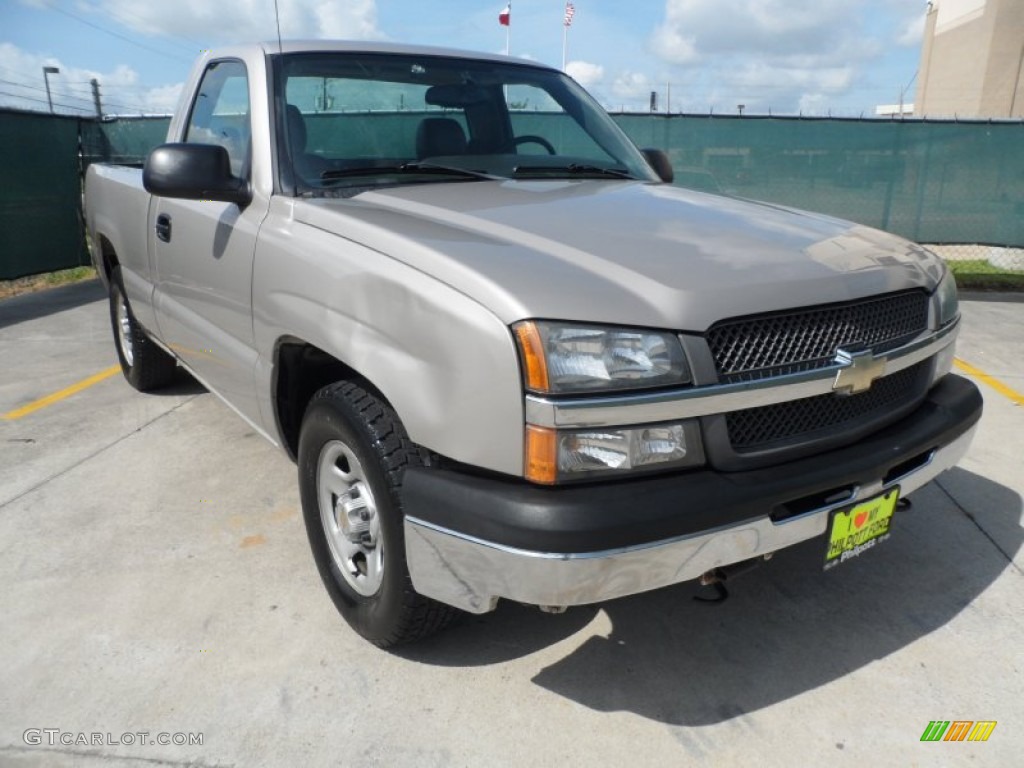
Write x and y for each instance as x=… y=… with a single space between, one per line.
x=570 y=11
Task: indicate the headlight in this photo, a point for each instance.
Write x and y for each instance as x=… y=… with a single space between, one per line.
x=559 y=358
x=554 y=456
x=947 y=304
x=947 y=309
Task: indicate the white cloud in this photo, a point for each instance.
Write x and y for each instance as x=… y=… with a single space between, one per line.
x=779 y=54
x=709 y=27
x=913 y=32
x=759 y=76
x=120 y=90
x=670 y=44
x=585 y=73
x=631 y=85
x=247 y=20
x=814 y=104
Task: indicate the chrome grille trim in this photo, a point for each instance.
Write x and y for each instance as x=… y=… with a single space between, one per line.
x=669 y=405
x=773 y=344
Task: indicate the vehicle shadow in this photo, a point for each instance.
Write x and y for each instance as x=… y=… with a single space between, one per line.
x=786 y=628
x=32 y=306
x=182 y=384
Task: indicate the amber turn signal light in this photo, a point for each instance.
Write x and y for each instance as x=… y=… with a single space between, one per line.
x=541 y=459
x=531 y=348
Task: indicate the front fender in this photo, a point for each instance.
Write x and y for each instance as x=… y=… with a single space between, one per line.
x=446 y=364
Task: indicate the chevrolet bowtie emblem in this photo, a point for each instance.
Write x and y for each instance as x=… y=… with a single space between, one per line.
x=860 y=369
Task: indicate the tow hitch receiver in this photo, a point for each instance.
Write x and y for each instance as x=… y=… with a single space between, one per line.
x=716 y=578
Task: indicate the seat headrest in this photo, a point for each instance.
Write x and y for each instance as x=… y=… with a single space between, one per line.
x=439 y=136
x=296 y=129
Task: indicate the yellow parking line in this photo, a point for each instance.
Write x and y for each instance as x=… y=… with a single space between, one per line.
x=56 y=397
x=997 y=385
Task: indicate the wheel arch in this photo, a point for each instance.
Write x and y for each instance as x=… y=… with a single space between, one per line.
x=107 y=260
x=300 y=370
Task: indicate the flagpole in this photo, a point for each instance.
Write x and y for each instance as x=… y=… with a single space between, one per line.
x=570 y=11
x=508 y=37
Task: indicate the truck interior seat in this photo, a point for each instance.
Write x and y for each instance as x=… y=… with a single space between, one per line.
x=308 y=166
x=439 y=136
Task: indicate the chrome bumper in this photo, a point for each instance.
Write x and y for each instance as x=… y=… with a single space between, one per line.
x=472 y=574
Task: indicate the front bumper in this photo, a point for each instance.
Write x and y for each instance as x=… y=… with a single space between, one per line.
x=471 y=540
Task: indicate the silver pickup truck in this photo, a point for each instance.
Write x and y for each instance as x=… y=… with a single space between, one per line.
x=510 y=358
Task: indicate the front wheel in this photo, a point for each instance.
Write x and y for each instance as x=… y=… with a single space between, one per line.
x=353 y=452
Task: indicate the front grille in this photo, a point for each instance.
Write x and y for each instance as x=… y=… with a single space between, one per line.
x=759 y=346
x=804 y=420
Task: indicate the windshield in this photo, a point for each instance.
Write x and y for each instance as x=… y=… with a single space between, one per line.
x=349 y=121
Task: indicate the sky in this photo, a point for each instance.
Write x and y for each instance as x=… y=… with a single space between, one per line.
x=811 y=57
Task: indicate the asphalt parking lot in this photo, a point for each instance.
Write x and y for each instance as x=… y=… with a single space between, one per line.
x=156 y=578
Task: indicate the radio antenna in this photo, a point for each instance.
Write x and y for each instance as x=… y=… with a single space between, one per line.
x=277 y=18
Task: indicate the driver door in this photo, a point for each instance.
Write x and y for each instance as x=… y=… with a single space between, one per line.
x=203 y=251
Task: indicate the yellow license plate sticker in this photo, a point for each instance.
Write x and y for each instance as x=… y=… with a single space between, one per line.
x=857 y=529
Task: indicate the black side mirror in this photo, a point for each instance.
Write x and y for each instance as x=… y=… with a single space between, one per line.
x=194 y=172
x=662 y=166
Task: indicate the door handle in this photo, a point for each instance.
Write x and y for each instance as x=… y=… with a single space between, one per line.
x=163 y=227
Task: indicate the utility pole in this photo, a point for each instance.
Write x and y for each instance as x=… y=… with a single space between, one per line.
x=1016 y=84
x=96 y=97
x=903 y=92
x=47 y=71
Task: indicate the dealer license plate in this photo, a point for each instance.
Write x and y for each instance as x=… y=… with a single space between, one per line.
x=854 y=530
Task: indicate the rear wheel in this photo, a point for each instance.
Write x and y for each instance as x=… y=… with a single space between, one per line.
x=353 y=453
x=143 y=363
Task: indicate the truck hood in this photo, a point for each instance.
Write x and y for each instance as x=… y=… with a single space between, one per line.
x=630 y=253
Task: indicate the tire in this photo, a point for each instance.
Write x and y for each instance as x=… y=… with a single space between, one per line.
x=143 y=363
x=353 y=453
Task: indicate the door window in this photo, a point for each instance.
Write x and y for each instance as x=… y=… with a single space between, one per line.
x=220 y=114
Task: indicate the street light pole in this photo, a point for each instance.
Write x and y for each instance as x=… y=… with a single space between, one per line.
x=47 y=71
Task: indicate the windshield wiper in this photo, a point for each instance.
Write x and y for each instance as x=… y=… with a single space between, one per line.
x=575 y=169
x=431 y=169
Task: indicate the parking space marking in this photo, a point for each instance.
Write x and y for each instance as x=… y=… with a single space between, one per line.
x=56 y=397
x=998 y=386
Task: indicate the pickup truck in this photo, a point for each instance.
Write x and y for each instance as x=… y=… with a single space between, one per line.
x=511 y=359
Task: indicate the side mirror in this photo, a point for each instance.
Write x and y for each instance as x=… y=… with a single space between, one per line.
x=662 y=166
x=194 y=172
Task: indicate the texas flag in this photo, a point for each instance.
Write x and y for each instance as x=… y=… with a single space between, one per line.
x=505 y=17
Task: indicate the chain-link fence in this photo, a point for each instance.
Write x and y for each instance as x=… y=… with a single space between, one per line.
x=942 y=183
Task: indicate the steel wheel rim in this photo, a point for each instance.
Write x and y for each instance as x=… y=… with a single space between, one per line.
x=348 y=514
x=124 y=330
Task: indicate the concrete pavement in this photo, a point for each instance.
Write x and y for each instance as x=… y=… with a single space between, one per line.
x=157 y=579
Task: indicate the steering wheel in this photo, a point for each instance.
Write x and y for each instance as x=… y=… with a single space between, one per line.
x=530 y=139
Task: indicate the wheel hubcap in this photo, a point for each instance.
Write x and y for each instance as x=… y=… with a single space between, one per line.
x=349 y=517
x=124 y=330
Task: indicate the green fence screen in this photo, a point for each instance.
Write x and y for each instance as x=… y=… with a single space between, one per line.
x=126 y=140
x=933 y=182
x=40 y=195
